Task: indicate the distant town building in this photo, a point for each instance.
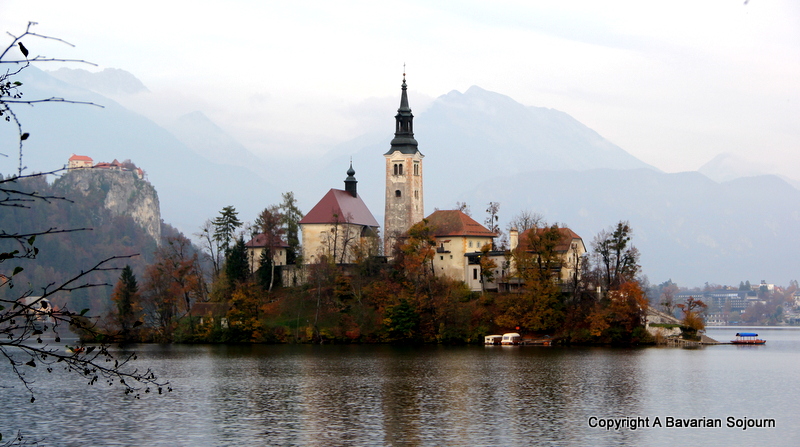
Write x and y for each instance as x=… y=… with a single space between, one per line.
x=722 y=299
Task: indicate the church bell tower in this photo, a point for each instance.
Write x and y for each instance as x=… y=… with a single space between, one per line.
x=404 y=204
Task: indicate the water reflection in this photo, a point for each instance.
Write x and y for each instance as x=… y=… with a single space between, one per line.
x=385 y=395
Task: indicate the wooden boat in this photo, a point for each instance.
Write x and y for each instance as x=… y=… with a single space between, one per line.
x=747 y=338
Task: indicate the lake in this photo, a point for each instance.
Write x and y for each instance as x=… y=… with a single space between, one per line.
x=423 y=396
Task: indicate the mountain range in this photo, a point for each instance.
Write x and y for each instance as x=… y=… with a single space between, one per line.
x=480 y=146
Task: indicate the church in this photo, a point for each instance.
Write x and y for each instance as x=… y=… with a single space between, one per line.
x=340 y=225
x=339 y=228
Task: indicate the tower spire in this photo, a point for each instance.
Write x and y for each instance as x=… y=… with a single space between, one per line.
x=404 y=125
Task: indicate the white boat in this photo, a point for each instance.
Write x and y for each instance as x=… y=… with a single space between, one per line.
x=510 y=338
x=492 y=339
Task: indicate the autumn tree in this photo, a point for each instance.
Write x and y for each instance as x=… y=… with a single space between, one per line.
x=463 y=207
x=667 y=298
x=540 y=306
x=492 y=219
x=487 y=265
x=212 y=248
x=269 y=223
x=692 y=317
x=128 y=306
x=172 y=284
x=415 y=254
x=243 y=316
x=619 y=317
x=617 y=260
x=526 y=220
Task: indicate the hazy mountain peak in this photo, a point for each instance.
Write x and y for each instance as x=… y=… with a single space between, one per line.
x=110 y=81
x=727 y=166
x=206 y=138
x=510 y=137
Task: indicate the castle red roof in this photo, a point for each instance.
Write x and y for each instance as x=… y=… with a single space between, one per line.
x=80 y=158
x=260 y=240
x=338 y=206
x=456 y=223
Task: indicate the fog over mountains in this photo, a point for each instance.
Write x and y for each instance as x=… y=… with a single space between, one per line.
x=479 y=146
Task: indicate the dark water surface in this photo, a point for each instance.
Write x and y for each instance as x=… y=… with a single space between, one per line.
x=384 y=395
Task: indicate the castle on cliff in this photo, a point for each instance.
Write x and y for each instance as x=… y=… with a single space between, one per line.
x=86 y=162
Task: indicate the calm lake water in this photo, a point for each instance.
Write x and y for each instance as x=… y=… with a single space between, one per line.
x=384 y=395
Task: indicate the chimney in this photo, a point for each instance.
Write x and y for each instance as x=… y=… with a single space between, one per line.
x=513 y=238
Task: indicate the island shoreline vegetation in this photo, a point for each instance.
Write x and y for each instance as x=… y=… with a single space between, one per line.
x=216 y=294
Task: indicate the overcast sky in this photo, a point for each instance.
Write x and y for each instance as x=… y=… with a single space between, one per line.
x=674 y=83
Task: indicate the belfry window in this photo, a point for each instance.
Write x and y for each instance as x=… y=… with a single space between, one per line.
x=416 y=168
x=397 y=193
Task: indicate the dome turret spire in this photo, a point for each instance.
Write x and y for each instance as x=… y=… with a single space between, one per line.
x=350 y=182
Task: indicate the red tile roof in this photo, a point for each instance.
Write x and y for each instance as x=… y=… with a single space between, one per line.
x=80 y=158
x=567 y=236
x=260 y=240
x=456 y=223
x=348 y=209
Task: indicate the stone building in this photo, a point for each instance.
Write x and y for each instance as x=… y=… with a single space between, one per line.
x=404 y=193
x=459 y=239
x=261 y=242
x=340 y=227
x=79 y=161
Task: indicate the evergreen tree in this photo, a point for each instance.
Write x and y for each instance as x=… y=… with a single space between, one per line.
x=126 y=296
x=291 y=216
x=225 y=226
x=237 y=266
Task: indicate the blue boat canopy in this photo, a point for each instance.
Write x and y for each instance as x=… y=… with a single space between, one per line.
x=746 y=334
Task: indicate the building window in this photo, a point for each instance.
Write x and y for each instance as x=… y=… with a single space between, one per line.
x=395 y=169
x=416 y=194
x=416 y=168
x=400 y=169
x=470 y=244
x=397 y=193
x=441 y=258
x=474 y=273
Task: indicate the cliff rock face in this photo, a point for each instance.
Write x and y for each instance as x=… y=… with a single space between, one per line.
x=120 y=192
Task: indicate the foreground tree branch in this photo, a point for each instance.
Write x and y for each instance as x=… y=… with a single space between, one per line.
x=31 y=326
x=9 y=90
